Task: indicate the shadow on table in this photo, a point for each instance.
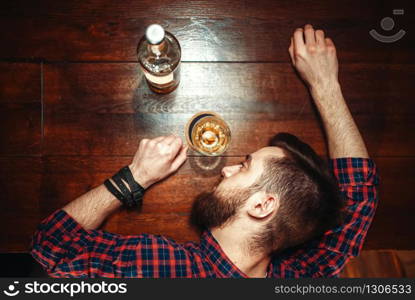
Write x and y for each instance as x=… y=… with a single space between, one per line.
x=207 y=166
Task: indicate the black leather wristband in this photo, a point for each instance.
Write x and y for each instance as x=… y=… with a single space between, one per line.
x=136 y=189
x=124 y=189
x=131 y=197
x=113 y=190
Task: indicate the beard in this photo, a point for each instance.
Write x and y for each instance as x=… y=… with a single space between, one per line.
x=214 y=209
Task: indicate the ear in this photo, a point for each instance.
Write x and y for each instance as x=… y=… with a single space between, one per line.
x=262 y=205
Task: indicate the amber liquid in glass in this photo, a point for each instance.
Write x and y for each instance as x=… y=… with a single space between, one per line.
x=209 y=134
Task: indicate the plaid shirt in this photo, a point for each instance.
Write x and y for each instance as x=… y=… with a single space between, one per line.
x=65 y=249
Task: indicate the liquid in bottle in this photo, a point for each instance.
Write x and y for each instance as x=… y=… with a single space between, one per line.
x=159 y=55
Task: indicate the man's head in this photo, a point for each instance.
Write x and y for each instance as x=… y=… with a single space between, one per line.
x=284 y=191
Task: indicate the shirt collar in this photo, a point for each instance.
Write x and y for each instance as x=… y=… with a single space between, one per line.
x=221 y=262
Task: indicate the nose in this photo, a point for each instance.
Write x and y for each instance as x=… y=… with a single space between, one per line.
x=230 y=170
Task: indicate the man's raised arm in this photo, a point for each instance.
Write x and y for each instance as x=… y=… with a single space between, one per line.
x=314 y=57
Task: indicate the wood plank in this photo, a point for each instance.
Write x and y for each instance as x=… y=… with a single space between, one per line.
x=208 y=30
x=105 y=109
x=20 y=134
x=370 y=264
x=20 y=109
x=20 y=182
x=116 y=134
x=381 y=263
x=68 y=177
x=407 y=259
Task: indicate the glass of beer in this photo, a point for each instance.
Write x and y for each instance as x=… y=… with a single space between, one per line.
x=207 y=133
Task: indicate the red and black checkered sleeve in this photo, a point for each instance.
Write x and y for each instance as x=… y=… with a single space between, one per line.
x=358 y=179
x=65 y=249
x=326 y=256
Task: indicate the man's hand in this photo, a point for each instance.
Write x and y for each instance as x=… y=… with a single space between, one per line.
x=154 y=160
x=157 y=158
x=314 y=57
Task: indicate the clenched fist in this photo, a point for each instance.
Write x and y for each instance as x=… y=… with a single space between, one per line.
x=157 y=158
x=314 y=57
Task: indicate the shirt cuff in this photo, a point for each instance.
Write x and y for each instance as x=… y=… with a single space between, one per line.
x=354 y=171
x=60 y=223
x=51 y=242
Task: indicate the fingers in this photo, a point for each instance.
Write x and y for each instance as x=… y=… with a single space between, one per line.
x=330 y=44
x=174 y=142
x=320 y=38
x=302 y=39
x=180 y=158
x=143 y=142
x=291 y=51
x=298 y=40
x=175 y=145
x=310 y=37
x=167 y=147
x=159 y=139
x=169 y=139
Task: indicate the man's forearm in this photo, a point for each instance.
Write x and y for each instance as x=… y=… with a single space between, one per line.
x=344 y=138
x=154 y=160
x=314 y=56
x=90 y=209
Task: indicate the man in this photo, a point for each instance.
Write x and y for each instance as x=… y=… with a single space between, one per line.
x=282 y=212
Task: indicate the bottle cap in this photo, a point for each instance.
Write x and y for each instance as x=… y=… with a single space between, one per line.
x=154 y=34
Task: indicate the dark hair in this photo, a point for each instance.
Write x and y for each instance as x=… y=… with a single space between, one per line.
x=310 y=202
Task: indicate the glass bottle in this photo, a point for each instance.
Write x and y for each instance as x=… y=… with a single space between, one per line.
x=159 y=55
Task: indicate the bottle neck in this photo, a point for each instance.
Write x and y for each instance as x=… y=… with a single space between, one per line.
x=159 y=48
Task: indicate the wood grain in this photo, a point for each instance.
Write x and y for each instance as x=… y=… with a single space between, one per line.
x=74 y=105
x=20 y=109
x=20 y=147
x=207 y=30
x=370 y=264
x=105 y=109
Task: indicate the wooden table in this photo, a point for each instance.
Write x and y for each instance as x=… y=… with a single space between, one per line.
x=74 y=106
